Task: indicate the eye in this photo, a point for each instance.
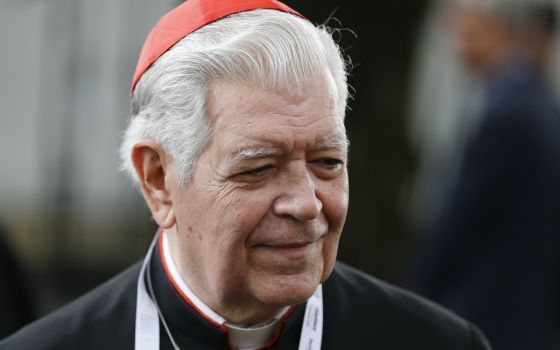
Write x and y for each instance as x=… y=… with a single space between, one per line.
x=329 y=163
x=258 y=172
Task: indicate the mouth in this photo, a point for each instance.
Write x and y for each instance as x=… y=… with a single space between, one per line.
x=289 y=249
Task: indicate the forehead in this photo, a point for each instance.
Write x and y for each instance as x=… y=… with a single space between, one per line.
x=245 y=116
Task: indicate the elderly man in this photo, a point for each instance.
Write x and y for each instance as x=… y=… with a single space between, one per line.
x=238 y=145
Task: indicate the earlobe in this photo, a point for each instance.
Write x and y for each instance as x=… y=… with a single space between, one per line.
x=153 y=169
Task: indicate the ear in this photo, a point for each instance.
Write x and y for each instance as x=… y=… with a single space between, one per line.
x=155 y=173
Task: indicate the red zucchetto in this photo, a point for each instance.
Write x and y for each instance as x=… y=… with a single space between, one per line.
x=188 y=17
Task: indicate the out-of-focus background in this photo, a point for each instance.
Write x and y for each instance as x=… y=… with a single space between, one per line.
x=430 y=80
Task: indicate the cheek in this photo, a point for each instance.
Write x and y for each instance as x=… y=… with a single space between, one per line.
x=243 y=214
x=335 y=207
x=334 y=197
x=330 y=250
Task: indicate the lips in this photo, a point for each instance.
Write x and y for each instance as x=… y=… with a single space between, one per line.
x=288 y=249
x=288 y=243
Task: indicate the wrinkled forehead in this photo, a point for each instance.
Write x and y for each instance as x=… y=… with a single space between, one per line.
x=251 y=96
x=248 y=118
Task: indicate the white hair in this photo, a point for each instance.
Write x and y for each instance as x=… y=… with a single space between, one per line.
x=269 y=48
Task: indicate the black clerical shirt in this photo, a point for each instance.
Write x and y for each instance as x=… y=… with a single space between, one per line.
x=360 y=312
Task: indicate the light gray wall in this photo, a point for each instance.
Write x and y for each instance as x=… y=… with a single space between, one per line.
x=65 y=70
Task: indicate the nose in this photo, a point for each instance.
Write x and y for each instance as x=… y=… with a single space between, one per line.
x=298 y=198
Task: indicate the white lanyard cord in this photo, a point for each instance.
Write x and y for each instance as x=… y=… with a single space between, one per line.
x=154 y=299
x=146 y=335
x=148 y=315
x=312 y=329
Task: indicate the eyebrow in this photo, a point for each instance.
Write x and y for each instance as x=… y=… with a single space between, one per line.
x=250 y=153
x=253 y=153
x=337 y=144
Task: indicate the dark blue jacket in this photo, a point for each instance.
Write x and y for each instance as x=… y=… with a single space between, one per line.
x=495 y=258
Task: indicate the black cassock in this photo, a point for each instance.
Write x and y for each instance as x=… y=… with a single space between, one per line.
x=360 y=312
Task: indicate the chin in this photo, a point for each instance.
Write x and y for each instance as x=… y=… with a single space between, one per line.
x=288 y=290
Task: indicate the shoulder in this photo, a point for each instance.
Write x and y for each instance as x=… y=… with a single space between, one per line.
x=523 y=100
x=106 y=314
x=365 y=310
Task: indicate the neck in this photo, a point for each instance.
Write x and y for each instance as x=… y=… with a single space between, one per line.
x=234 y=312
x=246 y=317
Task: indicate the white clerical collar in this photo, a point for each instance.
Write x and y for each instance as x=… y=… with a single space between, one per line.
x=243 y=338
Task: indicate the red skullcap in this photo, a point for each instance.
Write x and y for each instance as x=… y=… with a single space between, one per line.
x=188 y=17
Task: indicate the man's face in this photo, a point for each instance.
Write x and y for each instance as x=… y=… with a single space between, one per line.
x=260 y=220
x=479 y=36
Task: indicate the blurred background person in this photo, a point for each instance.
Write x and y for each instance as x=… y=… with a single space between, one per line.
x=491 y=250
x=16 y=307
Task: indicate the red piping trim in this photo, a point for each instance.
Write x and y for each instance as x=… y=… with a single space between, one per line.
x=277 y=333
x=230 y=345
x=176 y=286
x=279 y=329
x=223 y=328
